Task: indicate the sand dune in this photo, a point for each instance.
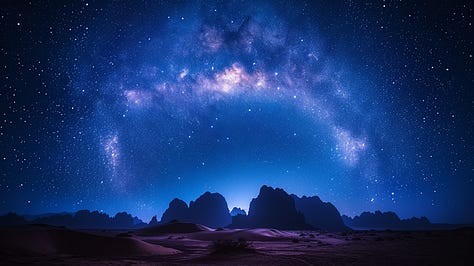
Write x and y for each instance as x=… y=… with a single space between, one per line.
x=200 y=232
x=48 y=240
x=260 y=234
x=172 y=228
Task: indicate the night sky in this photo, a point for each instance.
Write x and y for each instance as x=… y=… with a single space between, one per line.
x=125 y=105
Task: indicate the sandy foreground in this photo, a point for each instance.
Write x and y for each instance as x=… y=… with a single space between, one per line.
x=170 y=246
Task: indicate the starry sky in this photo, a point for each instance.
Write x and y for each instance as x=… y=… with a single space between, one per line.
x=125 y=105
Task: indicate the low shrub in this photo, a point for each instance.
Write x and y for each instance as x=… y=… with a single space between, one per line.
x=229 y=246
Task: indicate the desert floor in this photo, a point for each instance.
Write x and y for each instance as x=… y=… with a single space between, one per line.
x=262 y=247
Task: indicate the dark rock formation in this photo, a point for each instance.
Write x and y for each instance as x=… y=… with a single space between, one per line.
x=11 y=219
x=177 y=210
x=57 y=220
x=386 y=220
x=319 y=214
x=122 y=220
x=137 y=221
x=273 y=208
x=237 y=211
x=210 y=209
x=153 y=221
x=88 y=219
x=346 y=219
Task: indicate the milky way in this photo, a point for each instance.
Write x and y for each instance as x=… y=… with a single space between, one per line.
x=200 y=60
x=124 y=106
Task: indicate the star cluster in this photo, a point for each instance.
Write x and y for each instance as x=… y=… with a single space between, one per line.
x=368 y=105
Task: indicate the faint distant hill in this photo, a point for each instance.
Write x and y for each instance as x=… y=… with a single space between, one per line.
x=11 y=218
x=319 y=214
x=42 y=215
x=389 y=220
x=273 y=208
x=83 y=219
x=237 y=211
x=210 y=209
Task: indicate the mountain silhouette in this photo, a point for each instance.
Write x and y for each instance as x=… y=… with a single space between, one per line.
x=85 y=219
x=177 y=210
x=60 y=220
x=237 y=211
x=319 y=214
x=210 y=209
x=122 y=220
x=273 y=208
x=153 y=221
x=11 y=218
x=137 y=222
x=387 y=220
